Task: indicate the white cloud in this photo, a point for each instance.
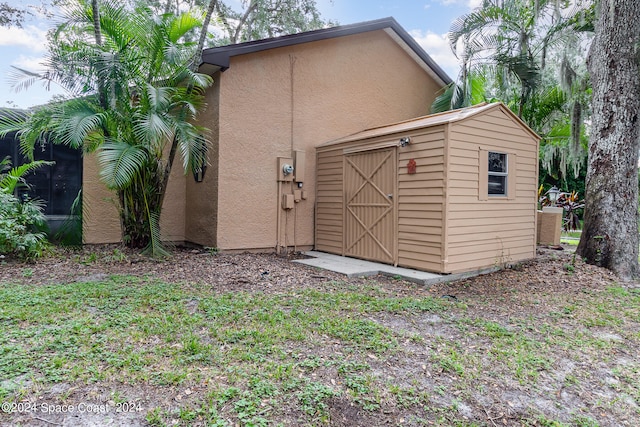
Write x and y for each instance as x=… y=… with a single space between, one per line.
x=471 y=4
x=31 y=63
x=30 y=37
x=437 y=46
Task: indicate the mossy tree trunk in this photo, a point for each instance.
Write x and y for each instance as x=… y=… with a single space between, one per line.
x=610 y=232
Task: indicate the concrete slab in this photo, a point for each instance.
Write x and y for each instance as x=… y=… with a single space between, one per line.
x=352 y=267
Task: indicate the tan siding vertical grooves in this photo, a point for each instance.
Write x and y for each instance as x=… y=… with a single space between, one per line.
x=484 y=231
x=328 y=214
x=420 y=206
x=445 y=204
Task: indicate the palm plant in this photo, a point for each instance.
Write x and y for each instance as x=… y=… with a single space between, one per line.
x=21 y=221
x=470 y=89
x=12 y=177
x=529 y=55
x=133 y=96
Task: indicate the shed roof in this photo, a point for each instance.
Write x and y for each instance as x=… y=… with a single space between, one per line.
x=431 y=120
x=218 y=58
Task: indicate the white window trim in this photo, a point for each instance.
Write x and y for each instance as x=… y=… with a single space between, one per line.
x=505 y=174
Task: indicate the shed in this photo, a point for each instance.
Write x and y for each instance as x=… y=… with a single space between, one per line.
x=447 y=193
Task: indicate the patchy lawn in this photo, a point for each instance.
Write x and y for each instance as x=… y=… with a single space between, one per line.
x=104 y=337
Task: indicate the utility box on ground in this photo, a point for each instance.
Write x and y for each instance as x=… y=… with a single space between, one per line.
x=549 y=226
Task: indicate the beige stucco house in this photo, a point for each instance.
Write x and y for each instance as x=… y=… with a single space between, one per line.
x=447 y=193
x=273 y=102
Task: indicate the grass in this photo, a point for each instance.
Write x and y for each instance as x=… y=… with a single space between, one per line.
x=257 y=359
x=135 y=331
x=571 y=242
x=570 y=237
x=576 y=234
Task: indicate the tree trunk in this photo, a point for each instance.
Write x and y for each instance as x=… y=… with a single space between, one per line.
x=97 y=31
x=194 y=67
x=243 y=21
x=610 y=232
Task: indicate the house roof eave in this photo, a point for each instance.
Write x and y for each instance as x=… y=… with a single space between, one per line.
x=221 y=56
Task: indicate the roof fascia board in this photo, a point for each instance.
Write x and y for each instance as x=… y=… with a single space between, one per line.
x=425 y=61
x=221 y=56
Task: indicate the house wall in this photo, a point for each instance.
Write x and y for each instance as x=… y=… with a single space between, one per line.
x=101 y=221
x=172 y=218
x=202 y=197
x=294 y=98
x=485 y=231
x=100 y=218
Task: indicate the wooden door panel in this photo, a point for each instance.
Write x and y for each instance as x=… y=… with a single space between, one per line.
x=370 y=205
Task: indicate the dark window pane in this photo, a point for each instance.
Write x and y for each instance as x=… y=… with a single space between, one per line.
x=39 y=179
x=497 y=185
x=497 y=162
x=7 y=146
x=39 y=184
x=66 y=179
x=57 y=185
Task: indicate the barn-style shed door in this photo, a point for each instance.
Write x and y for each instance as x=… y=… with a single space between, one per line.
x=370 y=205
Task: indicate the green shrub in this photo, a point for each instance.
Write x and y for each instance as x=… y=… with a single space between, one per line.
x=21 y=226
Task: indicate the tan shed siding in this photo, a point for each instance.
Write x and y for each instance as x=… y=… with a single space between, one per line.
x=329 y=202
x=484 y=231
x=420 y=198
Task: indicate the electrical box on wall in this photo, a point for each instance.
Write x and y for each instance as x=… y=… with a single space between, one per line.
x=285 y=169
x=299 y=164
x=287 y=201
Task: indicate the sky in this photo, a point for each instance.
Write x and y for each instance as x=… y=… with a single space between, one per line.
x=428 y=21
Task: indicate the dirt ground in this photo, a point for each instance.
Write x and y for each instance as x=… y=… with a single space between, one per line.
x=536 y=289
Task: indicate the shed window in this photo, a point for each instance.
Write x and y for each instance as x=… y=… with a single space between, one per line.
x=497 y=174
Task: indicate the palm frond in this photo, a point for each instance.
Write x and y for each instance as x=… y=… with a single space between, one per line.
x=193 y=146
x=198 y=81
x=78 y=122
x=153 y=129
x=477 y=22
x=10 y=179
x=159 y=98
x=182 y=25
x=11 y=121
x=444 y=101
x=20 y=79
x=155 y=248
x=117 y=25
x=120 y=163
